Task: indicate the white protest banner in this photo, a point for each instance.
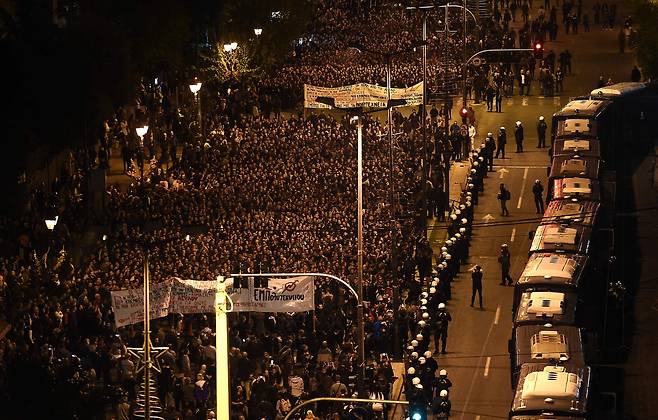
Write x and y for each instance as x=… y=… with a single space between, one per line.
x=128 y=305
x=292 y=294
x=361 y=95
x=192 y=296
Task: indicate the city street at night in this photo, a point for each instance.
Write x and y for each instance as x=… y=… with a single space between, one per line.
x=329 y=209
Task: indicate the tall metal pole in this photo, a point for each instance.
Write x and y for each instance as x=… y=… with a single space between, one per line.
x=426 y=154
x=464 y=68
x=147 y=338
x=394 y=240
x=446 y=156
x=221 y=344
x=359 y=285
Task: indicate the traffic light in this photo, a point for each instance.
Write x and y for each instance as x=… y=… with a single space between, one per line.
x=417 y=410
x=538 y=50
x=464 y=114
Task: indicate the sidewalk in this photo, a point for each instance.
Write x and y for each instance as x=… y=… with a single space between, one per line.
x=437 y=230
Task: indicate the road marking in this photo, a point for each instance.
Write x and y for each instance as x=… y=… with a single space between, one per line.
x=497 y=317
x=476 y=417
x=470 y=388
x=525 y=167
x=486 y=366
x=525 y=175
x=511 y=239
x=488 y=218
x=502 y=172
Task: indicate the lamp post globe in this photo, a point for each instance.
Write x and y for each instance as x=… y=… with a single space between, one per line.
x=195 y=87
x=141 y=131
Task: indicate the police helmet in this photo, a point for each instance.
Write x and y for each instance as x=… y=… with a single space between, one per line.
x=443 y=372
x=442 y=305
x=443 y=393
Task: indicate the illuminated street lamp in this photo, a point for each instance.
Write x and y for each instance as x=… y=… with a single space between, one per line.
x=230 y=47
x=51 y=223
x=141 y=132
x=195 y=87
x=258 y=31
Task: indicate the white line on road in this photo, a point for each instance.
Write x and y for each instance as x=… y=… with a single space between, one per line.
x=497 y=315
x=470 y=388
x=525 y=175
x=486 y=366
x=511 y=239
x=477 y=417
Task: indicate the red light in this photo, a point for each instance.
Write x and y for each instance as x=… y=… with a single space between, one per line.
x=464 y=111
x=537 y=46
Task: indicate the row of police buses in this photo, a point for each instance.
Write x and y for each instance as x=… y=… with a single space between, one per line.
x=560 y=329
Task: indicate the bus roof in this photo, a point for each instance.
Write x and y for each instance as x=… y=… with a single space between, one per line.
x=566 y=166
x=579 y=212
x=584 y=108
x=576 y=147
x=618 y=89
x=559 y=389
x=548 y=268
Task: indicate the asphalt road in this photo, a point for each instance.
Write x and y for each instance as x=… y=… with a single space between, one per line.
x=477 y=359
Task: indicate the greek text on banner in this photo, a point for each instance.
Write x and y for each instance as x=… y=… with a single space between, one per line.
x=292 y=294
x=361 y=95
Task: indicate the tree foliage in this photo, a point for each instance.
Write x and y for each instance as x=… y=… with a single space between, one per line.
x=646 y=17
x=289 y=22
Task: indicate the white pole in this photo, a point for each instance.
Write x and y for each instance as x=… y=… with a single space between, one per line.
x=359 y=218
x=223 y=392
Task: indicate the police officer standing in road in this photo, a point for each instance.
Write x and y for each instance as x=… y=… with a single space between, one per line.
x=502 y=141
x=489 y=147
x=476 y=276
x=541 y=132
x=504 y=196
x=505 y=260
x=537 y=192
x=518 y=136
x=441 y=321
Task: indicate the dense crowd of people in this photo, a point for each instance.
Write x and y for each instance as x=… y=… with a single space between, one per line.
x=261 y=193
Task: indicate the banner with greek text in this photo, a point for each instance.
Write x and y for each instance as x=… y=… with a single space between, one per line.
x=361 y=95
x=128 y=305
x=292 y=294
x=192 y=297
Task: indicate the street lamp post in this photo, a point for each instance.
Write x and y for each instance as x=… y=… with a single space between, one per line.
x=358 y=113
x=195 y=87
x=359 y=218
x=141 y=132
x=388 y=56
x=424 y=9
